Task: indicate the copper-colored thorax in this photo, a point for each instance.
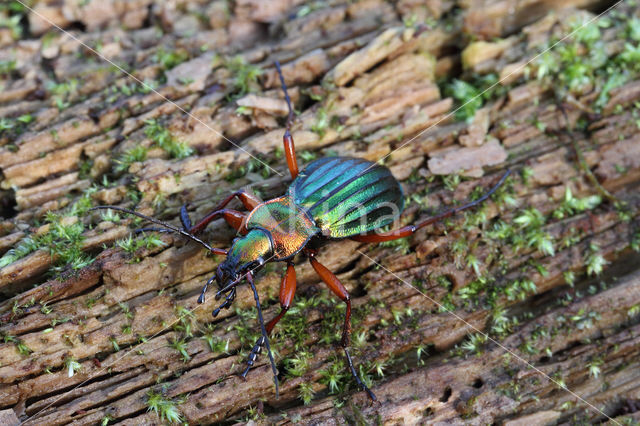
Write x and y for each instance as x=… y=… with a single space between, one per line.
x=289 y=225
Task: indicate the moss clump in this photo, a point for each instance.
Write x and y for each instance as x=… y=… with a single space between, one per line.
x=162 y=138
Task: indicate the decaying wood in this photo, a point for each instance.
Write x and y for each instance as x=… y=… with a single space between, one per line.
x=365 y=78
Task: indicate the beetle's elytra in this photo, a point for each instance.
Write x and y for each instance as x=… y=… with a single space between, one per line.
x=332 y=198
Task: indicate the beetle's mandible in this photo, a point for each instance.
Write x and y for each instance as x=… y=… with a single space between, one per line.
x=332 y=198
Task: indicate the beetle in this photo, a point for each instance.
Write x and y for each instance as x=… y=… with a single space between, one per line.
x=332 y=198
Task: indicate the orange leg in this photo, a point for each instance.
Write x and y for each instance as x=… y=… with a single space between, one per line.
x=290 y=153
x=411 y=229
x=287 y=290
x=248 y=200
x=287 y=139
x=339 y=290
x=233 y=218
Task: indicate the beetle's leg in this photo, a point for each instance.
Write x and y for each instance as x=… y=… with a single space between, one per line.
x=287 y=290
x=232 y=217
x=411 y=229
x=338 y=289
x=228 y=300
x=287 y=139
x=204 y=289
x=248 y=200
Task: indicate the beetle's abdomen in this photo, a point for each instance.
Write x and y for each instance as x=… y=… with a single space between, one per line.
x=289 y=226
x=347 y=196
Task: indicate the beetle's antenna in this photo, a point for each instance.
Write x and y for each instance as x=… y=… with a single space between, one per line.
x=286 y=97
x=166 y=225
x=265 y=335
x=287 y=139
x=455 y=210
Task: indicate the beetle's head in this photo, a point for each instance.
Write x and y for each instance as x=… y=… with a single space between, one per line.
x=247 y=253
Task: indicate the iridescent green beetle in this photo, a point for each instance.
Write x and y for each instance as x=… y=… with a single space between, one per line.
x=332 y=198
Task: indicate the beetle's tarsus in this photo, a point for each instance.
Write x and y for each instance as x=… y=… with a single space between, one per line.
x=253 y=355
x=201 y=298
x=184 y=218
x=227 y=302
x=359 y=381
x=265 y=336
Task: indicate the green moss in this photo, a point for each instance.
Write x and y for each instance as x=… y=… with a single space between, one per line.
x=13 y=24
x=215 y=343
x=62 y=241
x=467 y=96
x=571 y=205
x=245 y=75
x=473 y=293
x=168 y=59
x=72 y=366
x=582 y=60
x=162 y=138
x=28 y=245
x=594 y=367
x=401 y=245
x=114 y=343
x=474 y=345
x=305 y=392
x=595 y=262
x=526 y=174
x=472 y=94
x=61 y=92
x=13 y=127
x=307 y=156
x=246 y=328
x=630 y=57
x=133 y=155
x=257 y=165
x=321 y=123
x=569 y=278
x=451 y=182
x=335 y=376
x=165 y=408
x=186 y=322
x=298 y=364
x=131 y=245
x=180 y=345
x=7 y=67
x=584 y=320
x=22 y=349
